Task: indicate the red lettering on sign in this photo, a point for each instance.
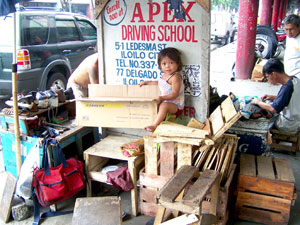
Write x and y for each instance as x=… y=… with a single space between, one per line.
x=187 y=10
x=137 y=12
x=151 y=12
x=189 y=111
x=167 y=12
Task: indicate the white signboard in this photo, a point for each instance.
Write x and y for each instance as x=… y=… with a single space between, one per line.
x=135 y=31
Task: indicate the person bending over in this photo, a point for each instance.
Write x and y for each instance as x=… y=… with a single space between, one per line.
x=86 y=73
x=286 y=103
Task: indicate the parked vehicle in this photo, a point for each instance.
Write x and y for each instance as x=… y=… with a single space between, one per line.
x=50 y=45
x=222 y=27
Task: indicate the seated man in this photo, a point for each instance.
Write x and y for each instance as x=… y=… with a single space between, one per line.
x=86 y=73
x=286 y=103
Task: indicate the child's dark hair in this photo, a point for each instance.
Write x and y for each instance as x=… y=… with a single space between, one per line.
x=173 y=54
x=273 y=65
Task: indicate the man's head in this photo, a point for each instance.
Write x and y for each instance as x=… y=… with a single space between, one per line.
x=272 y=70
x=292 y=25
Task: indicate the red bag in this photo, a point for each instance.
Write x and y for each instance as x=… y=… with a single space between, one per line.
x=53 y=185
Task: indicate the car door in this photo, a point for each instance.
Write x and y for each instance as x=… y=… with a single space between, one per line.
x=70 y=43
x=89 y=35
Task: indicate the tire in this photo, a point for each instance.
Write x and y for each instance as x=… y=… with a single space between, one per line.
x=232 y=37
x=266 y=30
x=224 y=40
x=264 y=46
x=57 y=78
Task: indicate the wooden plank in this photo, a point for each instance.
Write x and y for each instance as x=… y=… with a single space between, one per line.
x=147 y=195
x=184 y=154
x=228 y=109
x=265 y=168
x=266 y=186
x=197 y=192
x=284 y=170
x=159 y=215
x=150 y=148
x=205 y=150
x=7 y=195
x=261 y=216
x=169 y=129
x=152 y=180
x=195 y=124
x=167 y=159
x=177 y=183
x=109 y=147
x=227 y=126
x=148 y=209
x=264 y=202
x=97 y=210
x=217 y=120
x=190 y=141
x=182 y=220
x=205 y=4
x=210 y=155
x=247 y=165
x=284 y=147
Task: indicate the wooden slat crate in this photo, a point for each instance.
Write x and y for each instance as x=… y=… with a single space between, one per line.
x=285 y=141
x=161 y=167
x=265 y=190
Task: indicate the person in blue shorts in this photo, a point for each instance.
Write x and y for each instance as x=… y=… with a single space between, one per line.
x=285 y=106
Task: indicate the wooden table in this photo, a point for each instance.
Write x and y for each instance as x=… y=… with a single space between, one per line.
x=109 y=148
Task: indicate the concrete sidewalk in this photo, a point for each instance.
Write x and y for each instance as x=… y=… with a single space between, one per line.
x=221 y=62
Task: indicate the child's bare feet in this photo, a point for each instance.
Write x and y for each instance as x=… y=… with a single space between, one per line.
x=149 y=128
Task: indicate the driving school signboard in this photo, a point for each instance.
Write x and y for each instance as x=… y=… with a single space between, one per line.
x=135 y=31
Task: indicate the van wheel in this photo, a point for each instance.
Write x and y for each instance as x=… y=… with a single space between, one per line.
x=58 y=78
x=224 y=40
x=232 y=37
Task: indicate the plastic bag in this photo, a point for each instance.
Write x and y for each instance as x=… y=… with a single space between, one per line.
x=24 y=183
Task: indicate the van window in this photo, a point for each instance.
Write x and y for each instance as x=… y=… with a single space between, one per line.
x=88 y=31
x=6 y=24
x=66 y=30
x=35 y=30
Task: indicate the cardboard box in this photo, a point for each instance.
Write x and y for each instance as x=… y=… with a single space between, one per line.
x=119 y=106
x=257 y=70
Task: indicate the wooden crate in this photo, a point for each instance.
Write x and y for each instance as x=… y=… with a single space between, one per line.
x=151 y=183
x=285 y=141
x=160 y=166
x=265 y=190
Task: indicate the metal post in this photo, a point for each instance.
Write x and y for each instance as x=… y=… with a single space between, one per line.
x=266 y=12
x=275 y=14
x=246 y=38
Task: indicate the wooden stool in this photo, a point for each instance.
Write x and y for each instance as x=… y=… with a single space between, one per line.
x=109 y=148
x=172 y=195
x=291 y=138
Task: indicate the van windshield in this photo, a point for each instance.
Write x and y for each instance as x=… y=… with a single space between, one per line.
x=6 y=26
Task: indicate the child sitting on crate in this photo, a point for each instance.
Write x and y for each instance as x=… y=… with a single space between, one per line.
x=170 y=85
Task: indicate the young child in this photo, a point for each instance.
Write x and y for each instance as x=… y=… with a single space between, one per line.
x=170 y=85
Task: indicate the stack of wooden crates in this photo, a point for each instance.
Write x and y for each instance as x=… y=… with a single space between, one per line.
x=173 y=145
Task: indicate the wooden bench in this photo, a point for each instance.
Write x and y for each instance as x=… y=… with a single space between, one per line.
x=286 y=141
x=172 y=196
x=109 y=148
x=265 y=191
